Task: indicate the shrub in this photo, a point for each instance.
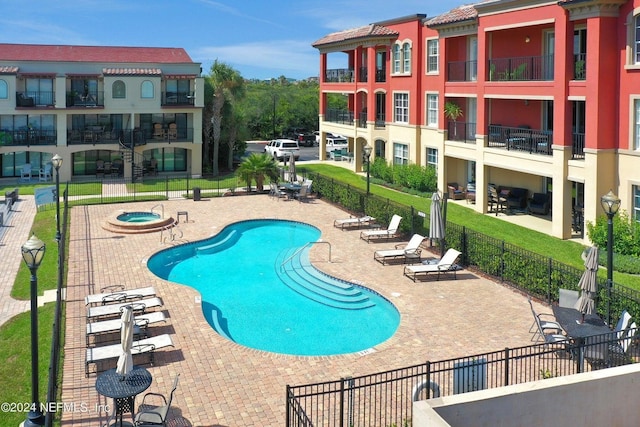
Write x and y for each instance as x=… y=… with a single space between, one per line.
x=626 y=242
x=412 y=177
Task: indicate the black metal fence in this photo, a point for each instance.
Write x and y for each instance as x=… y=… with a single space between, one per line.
x=386 y=398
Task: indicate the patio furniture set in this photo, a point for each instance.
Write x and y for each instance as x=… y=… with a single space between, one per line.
x=405 y=253
x=291 y=190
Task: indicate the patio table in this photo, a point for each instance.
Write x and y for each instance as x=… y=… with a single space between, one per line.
x=123 y=390
x=571 y=321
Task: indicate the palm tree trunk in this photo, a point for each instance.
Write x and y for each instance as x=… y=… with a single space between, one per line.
x=218 y=102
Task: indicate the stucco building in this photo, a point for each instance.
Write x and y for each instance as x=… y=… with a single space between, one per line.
x=549 y=93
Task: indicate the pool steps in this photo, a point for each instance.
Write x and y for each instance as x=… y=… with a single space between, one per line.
x=303 y=278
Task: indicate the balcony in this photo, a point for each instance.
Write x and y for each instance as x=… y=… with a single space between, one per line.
x=521 y=139
x=97 y=135
x=381 y=75
x=521 y=68
x=35 y=99
x=380 y=121
x=88 y=99
x=362 y=75
x=462 y=71
x=28 y=137
x=339 y=75
x=579 y=66
x=462 y=131
x=577 y=146
x=178 y=98
x=362 y=120
x=344 y=117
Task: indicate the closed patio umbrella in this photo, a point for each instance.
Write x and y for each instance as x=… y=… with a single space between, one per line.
x=588 y=284
x=292 y=169
x=436 y=224
x=125 y=361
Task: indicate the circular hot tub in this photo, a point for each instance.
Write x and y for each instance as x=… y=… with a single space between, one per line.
x=137 y=222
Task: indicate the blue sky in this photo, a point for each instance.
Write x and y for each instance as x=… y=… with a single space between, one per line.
x=260 y=38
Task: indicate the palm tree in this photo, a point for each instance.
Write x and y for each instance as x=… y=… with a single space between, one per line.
x=258 y=166
x=453 y=111
x=227 y=85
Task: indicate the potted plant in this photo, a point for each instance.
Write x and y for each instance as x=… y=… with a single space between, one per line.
x=453 y=111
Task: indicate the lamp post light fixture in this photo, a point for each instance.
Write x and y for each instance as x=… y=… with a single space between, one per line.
x=32 y=253
x=367 y=154
x=610 y=204
x=56 y=161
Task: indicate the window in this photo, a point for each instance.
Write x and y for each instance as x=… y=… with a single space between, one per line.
x=4 y=92
x=396 y=58
x=119 y=89
x=406 y=57
x=636 y=202
x=636 y=123
x=400 y=154
x=432 y=56
x=401 y=107
x=432 y=109
x=146 y=89
x=432 y=158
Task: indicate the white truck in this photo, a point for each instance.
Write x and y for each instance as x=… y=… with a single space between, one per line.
x=336 y=143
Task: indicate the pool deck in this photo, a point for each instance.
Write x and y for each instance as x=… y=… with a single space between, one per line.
x=225 y=384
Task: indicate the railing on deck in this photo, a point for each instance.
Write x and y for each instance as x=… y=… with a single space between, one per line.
x=462 y=71
x=461 y=131
x=339 y=75
x=344 y=117
x=521 y=68
x=521 y=139
x=577 y=148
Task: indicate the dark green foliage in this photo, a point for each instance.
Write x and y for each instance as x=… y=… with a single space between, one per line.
x=626 y=242
x=414 y=177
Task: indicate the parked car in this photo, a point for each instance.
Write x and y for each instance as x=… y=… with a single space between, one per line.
x=335 y=142
x=279 y=148
x=304 y=137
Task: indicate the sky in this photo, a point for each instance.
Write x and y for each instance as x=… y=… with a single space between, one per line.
x=262 y=39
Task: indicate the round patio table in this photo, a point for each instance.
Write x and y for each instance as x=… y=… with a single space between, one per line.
x=123 y=390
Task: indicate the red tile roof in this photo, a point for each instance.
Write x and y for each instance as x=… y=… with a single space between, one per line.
x=465 y=12
x=132 y=71
x=371 y=30
x=65 y=53
x=8 y=70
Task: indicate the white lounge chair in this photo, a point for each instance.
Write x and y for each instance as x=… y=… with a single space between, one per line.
x=120 y=296
x=446 y=264
x=147 y=345
x=391 y=231
x=622 y=324
x=356 y=222
x=114 y=309
x=141 y=322
x=408 y=252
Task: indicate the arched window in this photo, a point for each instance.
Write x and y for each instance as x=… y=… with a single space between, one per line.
x=146 y=89
x=119 y=89
x=396 y=58
x=4 y=92
x=406 y=58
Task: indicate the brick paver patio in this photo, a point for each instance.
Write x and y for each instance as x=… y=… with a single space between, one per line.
x=225 y=384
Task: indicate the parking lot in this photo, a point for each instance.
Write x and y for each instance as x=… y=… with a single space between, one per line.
x=306 y=153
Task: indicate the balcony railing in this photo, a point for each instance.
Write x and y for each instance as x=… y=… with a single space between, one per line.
x=461 y=131
x=462 y=71
x=362 y=74
x=380 y=121
x=580 y=66
x=339 y=75
x=362 y=120
x=178 y=98
x=381 y=75
x=344 y=117
x=522 y=68
x=97 y=135
x=577 y=148
x=89 y=99
x=35 y=99
x=28 y=137
x=521 y=139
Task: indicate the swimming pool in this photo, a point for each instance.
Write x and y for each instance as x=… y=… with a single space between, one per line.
x=248 y=297
x=138 y=217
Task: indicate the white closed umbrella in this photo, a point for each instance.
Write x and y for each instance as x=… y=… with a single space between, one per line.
x=125 y=361
x=436 y=224
x=588 y=284
x=292 y=169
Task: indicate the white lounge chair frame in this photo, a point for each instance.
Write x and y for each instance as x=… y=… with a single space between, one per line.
x=147 y=345
x=353 y=222
x=391 y=231
x=115 y=309
x=407 y=252
x=120 y=296
x=446 y=264
x=141 y=323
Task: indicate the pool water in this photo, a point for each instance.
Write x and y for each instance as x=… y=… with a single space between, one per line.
x=138 y=217
x=245 y=296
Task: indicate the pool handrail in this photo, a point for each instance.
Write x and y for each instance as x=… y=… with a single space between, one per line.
x=162 y=206
x=302 y=248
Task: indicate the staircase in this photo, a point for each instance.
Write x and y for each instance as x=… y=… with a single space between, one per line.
x=299 y=275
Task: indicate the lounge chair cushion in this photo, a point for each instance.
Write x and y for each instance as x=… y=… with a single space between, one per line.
x=114 y=309
x=353 y=222
x=120 y=296
x=445 y=265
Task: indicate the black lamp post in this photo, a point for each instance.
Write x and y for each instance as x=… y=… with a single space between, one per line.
x=32 y=253
x=367 y=155
x=610 y=204
x=56 y=161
